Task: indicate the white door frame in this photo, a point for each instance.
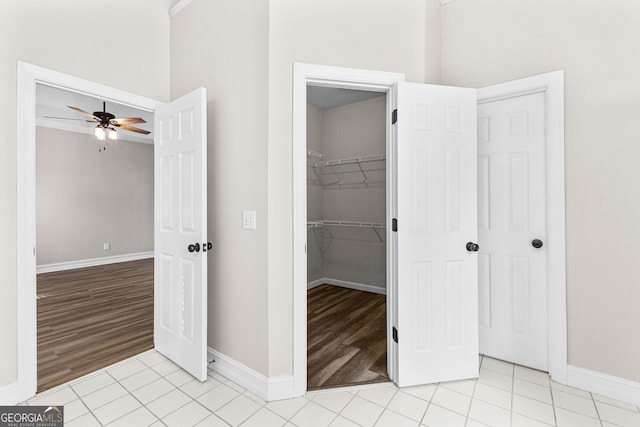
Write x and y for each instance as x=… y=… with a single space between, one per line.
x=552 y=85
x=319 y=75
x=28 y=76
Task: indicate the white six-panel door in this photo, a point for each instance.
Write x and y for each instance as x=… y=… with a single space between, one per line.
x=180 y=290
x=511 y=214
x=437 y=306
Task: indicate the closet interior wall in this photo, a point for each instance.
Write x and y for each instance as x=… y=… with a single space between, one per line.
x=353 y=192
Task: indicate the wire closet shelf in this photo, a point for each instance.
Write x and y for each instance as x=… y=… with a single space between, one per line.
x=353 y=171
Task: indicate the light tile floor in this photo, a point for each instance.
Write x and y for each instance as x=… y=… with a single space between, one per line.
x=150 y=390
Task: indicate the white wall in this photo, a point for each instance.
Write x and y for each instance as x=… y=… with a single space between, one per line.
x=597 y=44
x=87 y=197
x=369 y=34
x=68 y=37
x=222 y=46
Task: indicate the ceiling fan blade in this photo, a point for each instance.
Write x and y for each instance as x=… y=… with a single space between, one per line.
x=81 y=111
x=134 y=129
x=126 y=120
x=64 y=118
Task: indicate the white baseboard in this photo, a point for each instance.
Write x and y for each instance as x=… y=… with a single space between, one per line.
x=9 y=394
x=349 y=285
x=606 y=385
x=275 y=388
x=92 y=262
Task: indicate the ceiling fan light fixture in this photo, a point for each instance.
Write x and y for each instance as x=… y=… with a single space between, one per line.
x=99 y=133
x=113 y=135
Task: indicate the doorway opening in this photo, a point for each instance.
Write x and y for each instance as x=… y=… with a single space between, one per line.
x=346 y=237
x=29 y=76
x=356 y=80
x=94 y=222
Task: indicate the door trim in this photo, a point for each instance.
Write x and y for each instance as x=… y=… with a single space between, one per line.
x=338 y=77
x=552 y=84
x=28 y=76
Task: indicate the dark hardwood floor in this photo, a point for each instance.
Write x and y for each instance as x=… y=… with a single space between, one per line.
x=89 y=318
x=346 y=337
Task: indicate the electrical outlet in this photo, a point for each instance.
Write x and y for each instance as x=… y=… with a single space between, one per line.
x=106 y=246
x=249 y=220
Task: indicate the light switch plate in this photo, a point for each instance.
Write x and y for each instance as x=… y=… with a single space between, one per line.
x=249 y=220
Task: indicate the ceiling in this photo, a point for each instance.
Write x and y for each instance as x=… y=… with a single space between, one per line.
x=52 y=102
x=330 y=97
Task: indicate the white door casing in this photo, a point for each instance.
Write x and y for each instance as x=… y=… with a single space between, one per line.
x=180 y=286
x=28 y=75
x=437 y=301
x=511 y=214
x=348 y=78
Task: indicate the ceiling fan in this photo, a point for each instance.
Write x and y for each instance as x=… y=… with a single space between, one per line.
x=107 y=123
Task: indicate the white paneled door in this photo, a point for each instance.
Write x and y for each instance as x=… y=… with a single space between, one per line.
x=180 y=290
x=511 y=228
x=437 y=276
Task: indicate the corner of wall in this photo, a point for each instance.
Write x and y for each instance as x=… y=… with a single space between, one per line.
x=267 y=388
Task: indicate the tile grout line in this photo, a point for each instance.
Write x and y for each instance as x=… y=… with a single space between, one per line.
x=466 y=421
x=301 y=408
x=553 y=405
x=573 y=411
x=513 y=388
x=597 y=411
x=89 y=411
x=340 y=412
x=429 y=404
x=386 y=407
x=132 y=395
x=228 y=403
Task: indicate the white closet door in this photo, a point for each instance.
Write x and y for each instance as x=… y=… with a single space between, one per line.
x=437 y=300
x=512 y=216
x=180 y=289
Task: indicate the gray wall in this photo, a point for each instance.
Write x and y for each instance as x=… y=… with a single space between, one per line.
x=351 y=254
x=86 y=198
x=596 y=43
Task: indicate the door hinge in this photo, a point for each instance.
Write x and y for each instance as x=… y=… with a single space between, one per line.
x=394 y=224
x=394 y=116
x=395 y=334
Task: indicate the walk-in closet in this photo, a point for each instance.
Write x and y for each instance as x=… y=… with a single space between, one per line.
x=346 y=237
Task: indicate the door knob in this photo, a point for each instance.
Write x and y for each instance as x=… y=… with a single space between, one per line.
x=194 y=248
x=472 y=247
x=536 y=243
x=206 y=246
